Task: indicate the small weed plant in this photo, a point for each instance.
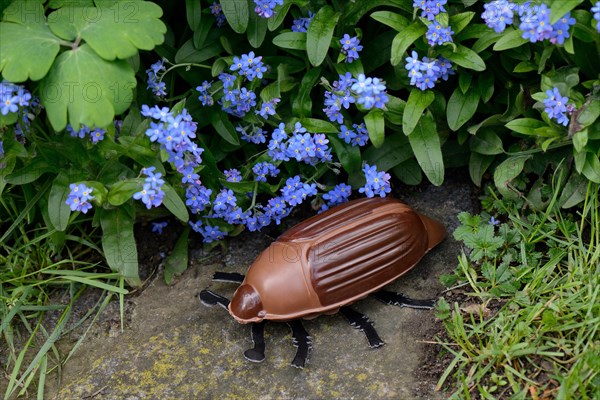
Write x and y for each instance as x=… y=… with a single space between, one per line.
x=531 y=328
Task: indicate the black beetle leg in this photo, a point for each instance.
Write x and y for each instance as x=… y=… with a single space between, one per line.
x=212 y=299
x=362 y=323
x=232 y=277
x=398 y=299
x=257 y=353
x=302 y=340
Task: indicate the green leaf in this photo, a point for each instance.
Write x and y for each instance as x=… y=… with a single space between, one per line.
x=461 y=107
x=574 y=191
x=485 y=40
x=394 y=112
x=237 y=14
x=319 y=34
x=404 y=39
x=122 y=191
x=580 y=139
x=464 y=81
x=418 y=101
x=28 y=46
x=478 y=164
x=30 y=172
x=464 y=57
x=188 y=53
x=409 y=172
x=319 y=126
x=591 y=167
x=58 y=211
x=291 y=40
x=118 y=242
x=276 y=20
x=173 y=202
x=193 y=13
x=391 y=19
x=113 y=32
x=87 y=89
x=177 y=262
x=348 y=155
x=375 y=124
x=54 y=4
x=510 y=39
x=525 y=66
x=561 y=7
x=224 y=128
x=257 y=30
x=241 y=188
x=486 y=142
x=302 y=103
x=395 y=151
x=508 y=170
x=427 y=148
x=525 y=126
x=458 y=22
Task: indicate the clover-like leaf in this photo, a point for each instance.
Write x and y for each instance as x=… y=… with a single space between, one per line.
x=87 y=89
x=113 y=32
x=28 y=46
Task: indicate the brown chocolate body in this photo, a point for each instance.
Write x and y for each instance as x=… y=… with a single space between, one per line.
x=334 y=259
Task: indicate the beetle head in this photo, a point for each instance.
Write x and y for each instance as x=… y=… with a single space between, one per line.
x=246 y=305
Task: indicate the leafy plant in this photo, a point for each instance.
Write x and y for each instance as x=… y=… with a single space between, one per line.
x=540 y=339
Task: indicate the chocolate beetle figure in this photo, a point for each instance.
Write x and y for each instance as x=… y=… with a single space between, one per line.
x=327 y=262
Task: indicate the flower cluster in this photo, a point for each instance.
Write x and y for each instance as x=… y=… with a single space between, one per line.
x=256 y=136
x=17 y=99
x=155 y=83
x=197 y=197
x=266 y=8
x=301 y=145
x=557 y=105
x=535 y=24
x=350 y=47
x=425 y=73
x=301 y=24
x=262 y=169
x=534 y=20
x=157 y=227
x=498 y=14
x=359 y=136
x=205 y=96
x=217 y=11
x=209 y=233
x=338 y=195
x=174 y=133
x=378 y=182
x=151 y=193
x=369 y=92
x=596 y=11
x=96 y=134
x=268 y=108
x=249 y=66
x=235 y=99
x=430 y=8
x=79 y=198
x=437 y=34
x=13 y=97
x=295 y=191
